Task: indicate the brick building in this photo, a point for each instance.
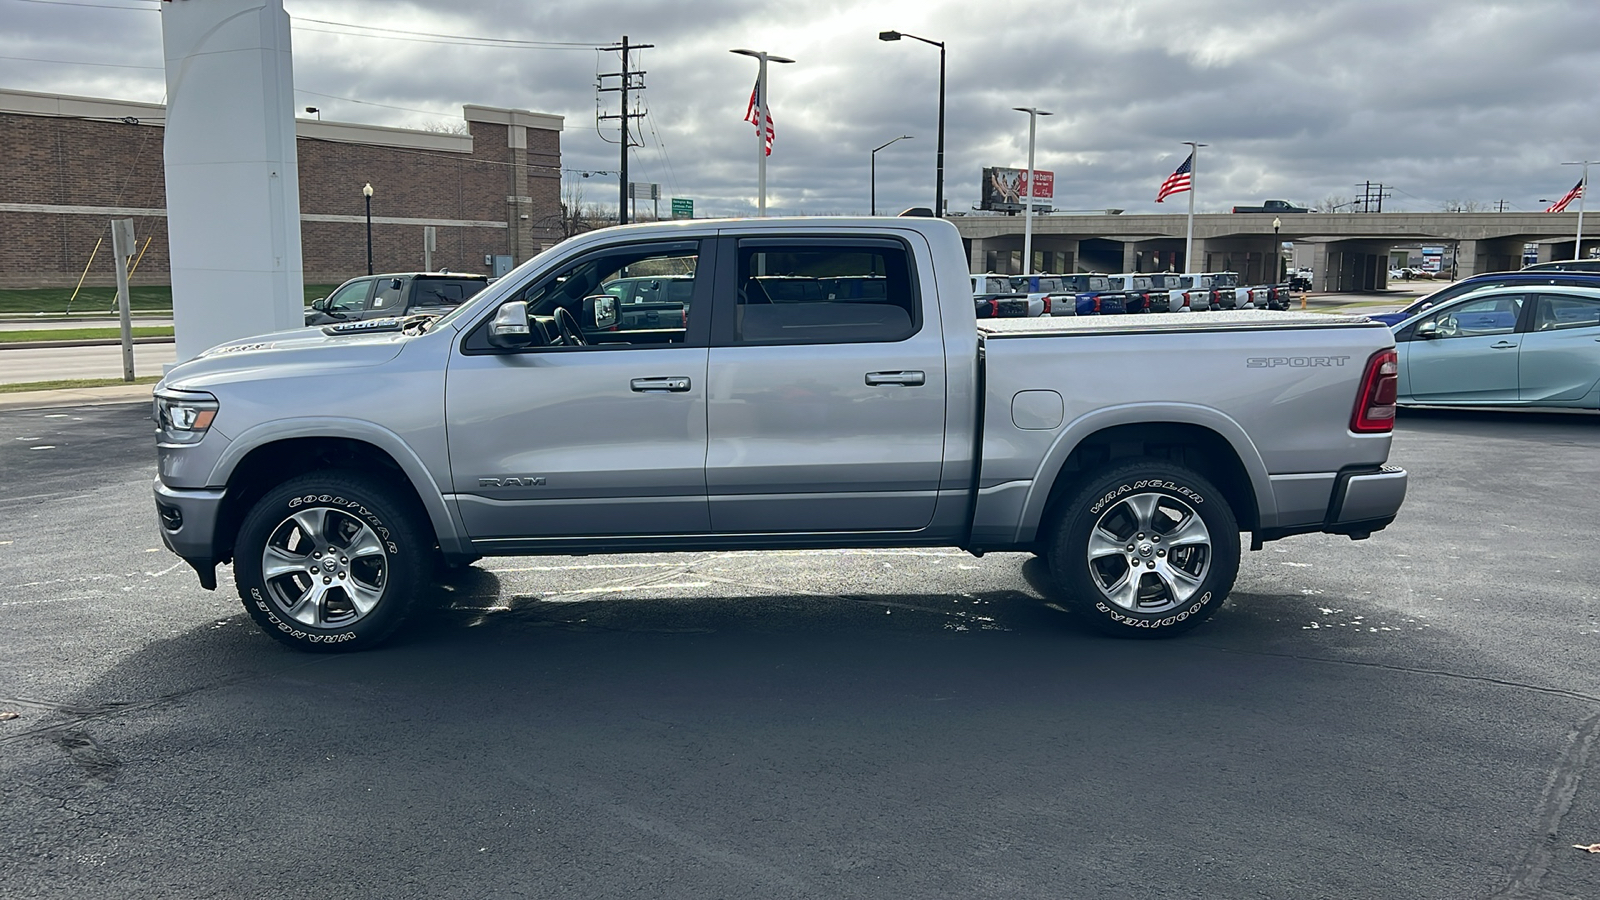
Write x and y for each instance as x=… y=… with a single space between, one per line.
x=68 y=165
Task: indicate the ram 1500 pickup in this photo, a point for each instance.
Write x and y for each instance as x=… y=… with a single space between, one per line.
x=536 y=419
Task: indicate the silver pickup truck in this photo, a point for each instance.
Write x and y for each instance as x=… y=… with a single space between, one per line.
x=337 y=467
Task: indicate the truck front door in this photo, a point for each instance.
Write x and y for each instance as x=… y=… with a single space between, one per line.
x=825 y=414
x=604 y=437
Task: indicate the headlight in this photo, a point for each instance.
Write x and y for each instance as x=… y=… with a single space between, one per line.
x=183 y=417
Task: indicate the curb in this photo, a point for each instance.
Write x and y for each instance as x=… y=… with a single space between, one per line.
x=96 y=396
x=96 y=342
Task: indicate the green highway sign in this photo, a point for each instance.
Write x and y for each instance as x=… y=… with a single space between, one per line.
x=682 y=208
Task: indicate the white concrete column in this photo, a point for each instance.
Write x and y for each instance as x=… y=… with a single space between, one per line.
x=233 y=184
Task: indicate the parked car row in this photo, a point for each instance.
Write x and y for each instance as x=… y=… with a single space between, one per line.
x=1096 y=294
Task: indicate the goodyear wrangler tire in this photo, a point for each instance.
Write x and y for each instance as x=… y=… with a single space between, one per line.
x=1147 y=549
x=331 y=562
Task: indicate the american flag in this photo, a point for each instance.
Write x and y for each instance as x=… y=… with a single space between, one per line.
x=1561 y=205
x=1179 y=181
x=750 y=114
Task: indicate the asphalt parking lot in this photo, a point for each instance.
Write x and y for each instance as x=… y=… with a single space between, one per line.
x=1411 y=716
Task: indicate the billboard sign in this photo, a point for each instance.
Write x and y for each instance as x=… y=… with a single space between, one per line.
x=1003 y=189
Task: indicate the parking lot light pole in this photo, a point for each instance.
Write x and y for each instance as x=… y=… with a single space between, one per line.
x=366 y=191
x=1027 y=190
x=938 y=168
x=874 y=179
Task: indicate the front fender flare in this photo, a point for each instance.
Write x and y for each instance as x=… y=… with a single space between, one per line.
x=446 y=525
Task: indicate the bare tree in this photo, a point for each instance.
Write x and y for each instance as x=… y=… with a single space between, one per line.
x=576 y=215
x=1334 y=203
x=445 y=126
x=1468 y=206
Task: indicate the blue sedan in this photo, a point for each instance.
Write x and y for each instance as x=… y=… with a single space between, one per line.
x=1529 y=345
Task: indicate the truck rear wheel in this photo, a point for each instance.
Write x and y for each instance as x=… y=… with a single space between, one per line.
x=1146 y=549
x=331 y=562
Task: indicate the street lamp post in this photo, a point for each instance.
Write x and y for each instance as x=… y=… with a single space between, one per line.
x=761 y=122
x=903 y=137
x=1027 y=208
x=366 y=191
x=1277 y=249
x=938 y=176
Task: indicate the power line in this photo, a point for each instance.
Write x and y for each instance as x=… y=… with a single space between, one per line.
x=68 y=62
x=395 y=34
x=431 y=112
x=91 y=5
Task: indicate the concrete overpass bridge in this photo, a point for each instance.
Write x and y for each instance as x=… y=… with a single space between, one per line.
x=1347 y=251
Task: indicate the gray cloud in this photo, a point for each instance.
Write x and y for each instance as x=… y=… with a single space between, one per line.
x=1476 y=100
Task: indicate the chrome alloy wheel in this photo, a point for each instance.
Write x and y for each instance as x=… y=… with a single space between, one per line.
x=1149 y=553
x=324 y=568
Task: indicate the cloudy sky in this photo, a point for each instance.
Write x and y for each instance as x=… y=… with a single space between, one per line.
x=1446 y=102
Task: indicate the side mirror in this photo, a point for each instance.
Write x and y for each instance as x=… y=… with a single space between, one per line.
x=599 y=312
x=394 y=284
x=320 y=304
x=510 y=329
x=1428 y=330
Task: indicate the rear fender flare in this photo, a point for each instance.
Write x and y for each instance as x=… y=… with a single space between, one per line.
x=1081 y=428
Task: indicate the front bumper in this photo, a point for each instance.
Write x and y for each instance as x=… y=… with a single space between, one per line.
x=188 y=521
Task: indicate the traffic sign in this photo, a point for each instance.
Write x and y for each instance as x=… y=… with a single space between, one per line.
x=682 y=208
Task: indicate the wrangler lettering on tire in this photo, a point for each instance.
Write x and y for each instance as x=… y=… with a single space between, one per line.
x=1145 y=549
x=331 y=561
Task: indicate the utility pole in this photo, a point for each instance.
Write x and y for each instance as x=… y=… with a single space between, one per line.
x=625 y=83
x=1372 y=194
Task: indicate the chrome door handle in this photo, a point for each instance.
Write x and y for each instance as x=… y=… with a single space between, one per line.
x=907 y=378
x=1503 y=345
x=659 y=385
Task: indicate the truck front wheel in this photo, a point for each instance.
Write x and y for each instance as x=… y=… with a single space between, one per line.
x=1146 y=549
x=331 y=562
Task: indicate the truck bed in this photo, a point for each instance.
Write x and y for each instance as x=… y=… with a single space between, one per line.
x=1156 y=323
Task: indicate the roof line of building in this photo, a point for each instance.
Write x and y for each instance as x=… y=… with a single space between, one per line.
x=33 y=103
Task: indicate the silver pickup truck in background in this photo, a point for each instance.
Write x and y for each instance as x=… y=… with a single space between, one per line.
x=873 y=412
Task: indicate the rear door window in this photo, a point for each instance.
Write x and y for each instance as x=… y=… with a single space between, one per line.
x=791 y=292
x=386 y=299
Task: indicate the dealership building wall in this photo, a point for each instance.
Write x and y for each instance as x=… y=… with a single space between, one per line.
x=68 y=165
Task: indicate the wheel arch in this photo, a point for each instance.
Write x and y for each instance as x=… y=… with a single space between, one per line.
x=269 y=454
x=1197 y=437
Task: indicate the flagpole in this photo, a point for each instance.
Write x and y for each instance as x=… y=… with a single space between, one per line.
x=761 y=137
x=1577 y=245
x=761 y=122
x=1188 y=241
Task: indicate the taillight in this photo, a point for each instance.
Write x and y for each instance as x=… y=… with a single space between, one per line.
x=1046 y=306
x=1380 y=384
x=994 y=309
x=1097 y=304
x=1186 y=301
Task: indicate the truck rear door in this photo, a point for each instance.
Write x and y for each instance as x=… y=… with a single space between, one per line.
x=824 y=414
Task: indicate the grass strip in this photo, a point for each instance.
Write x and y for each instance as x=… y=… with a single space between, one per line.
x=72 y=383
x=147 y=298
x=81 y=334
